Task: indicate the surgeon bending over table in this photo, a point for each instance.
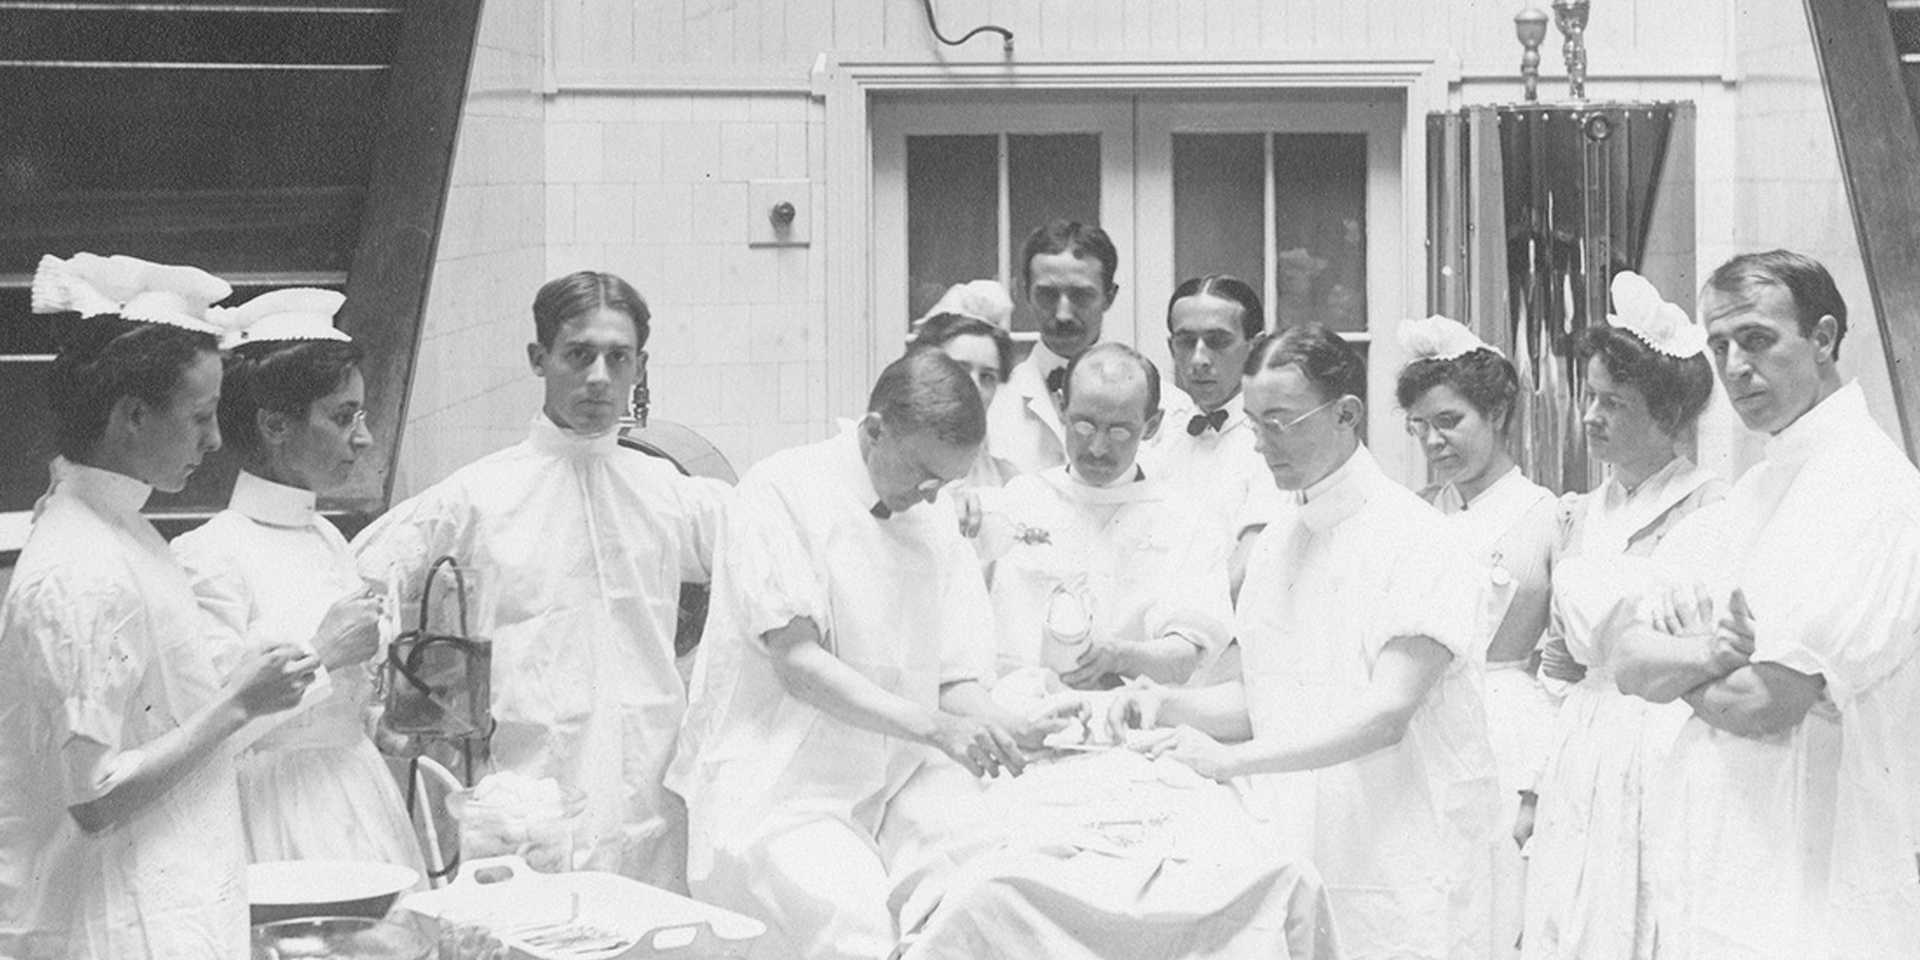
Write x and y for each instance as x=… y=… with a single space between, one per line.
x=844 y=616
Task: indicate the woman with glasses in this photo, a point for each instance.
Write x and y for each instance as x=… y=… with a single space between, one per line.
x=270 y=569
x=1648 y=380
x=120 y=830
x=986 y=350
x=1461 y=400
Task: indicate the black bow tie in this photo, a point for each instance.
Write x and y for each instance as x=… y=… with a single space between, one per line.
x=1202 y=422
x=1057 y=380
x=880 y=510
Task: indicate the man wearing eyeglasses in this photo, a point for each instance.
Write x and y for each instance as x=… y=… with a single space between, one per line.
x=1067 y=271
x=1139 y=561
x=1359 y=670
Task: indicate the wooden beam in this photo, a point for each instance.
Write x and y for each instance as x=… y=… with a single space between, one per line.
x=392 y=266
x=1874 y=126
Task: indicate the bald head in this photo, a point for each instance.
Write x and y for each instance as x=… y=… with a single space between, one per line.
x=1119 y=366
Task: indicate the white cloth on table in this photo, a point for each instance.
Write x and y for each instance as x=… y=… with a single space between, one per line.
x=1106 y=855
x=1148 y=561
x=102 y=650
x=582 y=546
x=1589 y=885
x=266 y=570
x=1220 y=469
x=1402 y=835
x=771 y=781
x=1023 y=425
x=1803 y=844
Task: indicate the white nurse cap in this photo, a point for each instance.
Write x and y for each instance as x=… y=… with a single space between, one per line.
x=1640 y=310
x=1439 y=338
x=292 y=313
x=130 y=288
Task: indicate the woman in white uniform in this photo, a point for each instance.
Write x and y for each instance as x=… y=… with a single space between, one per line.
x=1648 y=379
x=119 y=822
x=986 y=350
x=270 y=569
x=1461 y=398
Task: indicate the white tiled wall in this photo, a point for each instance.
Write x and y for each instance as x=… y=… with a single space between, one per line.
x=472 y=391
x=655 y=188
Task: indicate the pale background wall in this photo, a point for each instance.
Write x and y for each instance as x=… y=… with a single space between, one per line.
x=471 y=390
x=653 y=117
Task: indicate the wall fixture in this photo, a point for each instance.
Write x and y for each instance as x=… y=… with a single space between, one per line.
x=1006 y=36
x=777 y=212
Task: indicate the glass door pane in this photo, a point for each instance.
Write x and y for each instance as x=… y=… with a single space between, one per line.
x=1320 y=232
x=1219 y=205
x=1049 y=175
x=953 y=222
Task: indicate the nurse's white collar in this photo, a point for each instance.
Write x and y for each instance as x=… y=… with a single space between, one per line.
x=103 y=489
x=275 y=504
x=1342 y=493
x=547 y=437
x=1449 y=500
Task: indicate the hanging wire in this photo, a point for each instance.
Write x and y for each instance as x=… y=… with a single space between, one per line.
x=1006 y=36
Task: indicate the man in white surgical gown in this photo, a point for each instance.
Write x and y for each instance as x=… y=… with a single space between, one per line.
x=582 y=546
x=1147 y=561
x=843 y=614
x=1787 y=825
x=1358 y=719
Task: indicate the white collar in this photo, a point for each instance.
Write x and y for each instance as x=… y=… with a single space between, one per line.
x=854 y=478
x=1129 y=487
x=1340 y=494
x=548 y=437
x=274 y=504
x=1827 y=422
x=105 y=490
x=1182 y=409
x=1449 y=500
x=1030 y=377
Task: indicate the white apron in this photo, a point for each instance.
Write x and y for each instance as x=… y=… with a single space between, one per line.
x=103 y=650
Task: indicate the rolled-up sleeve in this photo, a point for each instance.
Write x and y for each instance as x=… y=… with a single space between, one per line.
x=90 y=652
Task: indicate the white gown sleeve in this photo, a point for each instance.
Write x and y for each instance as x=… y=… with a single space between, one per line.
x=704 y=502
x=1193 y=602
x=91 y=654
x=771 y=575
x=1433 y=591
x=410 y=536
x=968 y=639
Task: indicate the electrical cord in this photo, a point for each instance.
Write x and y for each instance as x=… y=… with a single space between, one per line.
x=1006 y=36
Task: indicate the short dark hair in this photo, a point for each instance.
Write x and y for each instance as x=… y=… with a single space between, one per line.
x=1253 y=319
x=1676 y=390
x=941 y=328
x=103 y=358
x=1069 y=236
x=1804 y=278
x=1099 y=352
x=1484 y=378
x=1323 y=356
x=281 y=377
x=926 y=390
x=580 y=293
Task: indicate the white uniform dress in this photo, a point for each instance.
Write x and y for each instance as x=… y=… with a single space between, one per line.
x=103 y=650
x=1509 y=528
x=785 y=801
x=266 y=569
x=1023 y=425
x=1803 y=844
x=1401 y=835
x=584 y=545
x=1149 y=562
x=1219 y=467
x=1588 y=884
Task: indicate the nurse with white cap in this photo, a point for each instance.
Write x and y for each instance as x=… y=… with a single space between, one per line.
x=270 y=569
x=120 y=826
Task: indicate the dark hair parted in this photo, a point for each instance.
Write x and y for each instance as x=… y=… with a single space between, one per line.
x=1480 y=376
x=581 y=293
x=1324 y=358
x=104 y=358
x=1804 y=278
x=1070 y=236
x=1253 y=318
x=943 y=328
x=1676 y=390
x=279 y=377
x=926 y=390
x=1102 y=357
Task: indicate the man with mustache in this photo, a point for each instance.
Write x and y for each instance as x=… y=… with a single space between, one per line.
x=1142 y=559
x=1067 y=273
x=1794 y=806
